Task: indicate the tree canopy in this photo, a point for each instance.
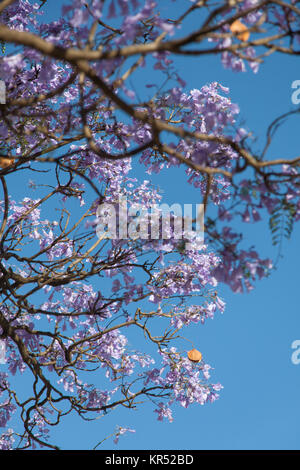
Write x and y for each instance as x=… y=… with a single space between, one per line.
x=73 y=125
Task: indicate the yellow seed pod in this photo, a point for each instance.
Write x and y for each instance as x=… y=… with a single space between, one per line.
x=238 y=27
x=194 y=355
x=6 y=162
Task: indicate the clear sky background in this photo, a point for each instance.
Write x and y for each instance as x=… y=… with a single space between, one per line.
x=249 y=346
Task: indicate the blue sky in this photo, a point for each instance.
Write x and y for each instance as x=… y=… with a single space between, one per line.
x=250 y=344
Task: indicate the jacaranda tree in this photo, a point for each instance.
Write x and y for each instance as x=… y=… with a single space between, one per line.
x=82 y=269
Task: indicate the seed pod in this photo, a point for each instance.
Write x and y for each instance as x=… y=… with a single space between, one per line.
x=5 y=162
x=238 y=27
x=194 y=355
